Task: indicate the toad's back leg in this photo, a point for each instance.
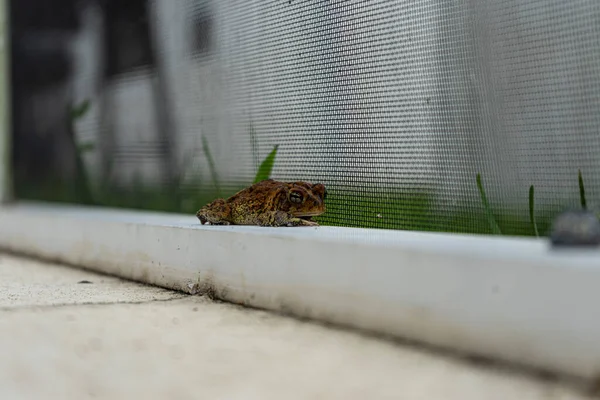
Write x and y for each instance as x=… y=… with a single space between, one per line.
x=281 y=218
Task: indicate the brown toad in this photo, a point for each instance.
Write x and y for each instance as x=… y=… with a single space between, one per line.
x=268 y=203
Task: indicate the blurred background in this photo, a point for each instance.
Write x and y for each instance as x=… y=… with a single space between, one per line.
x=396 y=106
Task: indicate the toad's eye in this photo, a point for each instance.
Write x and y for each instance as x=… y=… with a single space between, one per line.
x=295 y=197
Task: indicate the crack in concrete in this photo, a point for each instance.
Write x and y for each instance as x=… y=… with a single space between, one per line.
x=91 y=303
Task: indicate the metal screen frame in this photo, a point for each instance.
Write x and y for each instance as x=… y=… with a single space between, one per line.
x=511 y=299
x=507 y=298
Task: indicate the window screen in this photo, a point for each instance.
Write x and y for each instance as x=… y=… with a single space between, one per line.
x=396 y=106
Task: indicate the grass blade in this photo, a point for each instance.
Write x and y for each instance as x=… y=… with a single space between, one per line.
x=254 y=145
x=582 y=192
x=81 y=181
x=86 y=147
x=211 y=164
x=493 y=224
x=264 y=171
x=78 y=111
x=531 y=212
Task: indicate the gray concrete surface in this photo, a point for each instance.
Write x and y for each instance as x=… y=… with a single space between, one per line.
x=26 y=283
x=112 y=339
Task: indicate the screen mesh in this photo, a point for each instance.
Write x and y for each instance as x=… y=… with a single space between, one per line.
x=396 y=106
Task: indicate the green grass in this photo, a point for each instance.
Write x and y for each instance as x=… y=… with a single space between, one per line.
x=408 y=210
x=211 y=164
x=402 y=210
x=581 y=191
x=185 y=200
x=414 y=210
x=532 y=211
x=488 y=210
x=265 y=168
x=517 y=224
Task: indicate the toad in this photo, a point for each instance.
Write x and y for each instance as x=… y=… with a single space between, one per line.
x=268 y=203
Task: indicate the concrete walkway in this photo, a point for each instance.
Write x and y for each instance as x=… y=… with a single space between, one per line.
x=72 y=334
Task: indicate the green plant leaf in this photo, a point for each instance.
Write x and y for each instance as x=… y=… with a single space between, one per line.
x=264 y=171
x=486 y=205
x=531 y=211
x=85 y=147
x=211 y=164
x=79 y=110
x=254 y=144
x=582 y=192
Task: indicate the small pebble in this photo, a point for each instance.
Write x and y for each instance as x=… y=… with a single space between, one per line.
x=85 y=281
x=575 y=228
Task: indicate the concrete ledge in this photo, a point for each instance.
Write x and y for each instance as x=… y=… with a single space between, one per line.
x=510 y=299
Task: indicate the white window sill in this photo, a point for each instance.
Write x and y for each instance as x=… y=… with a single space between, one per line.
x=507 y=298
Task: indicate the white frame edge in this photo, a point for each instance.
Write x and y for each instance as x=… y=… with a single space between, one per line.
x=506 y=298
